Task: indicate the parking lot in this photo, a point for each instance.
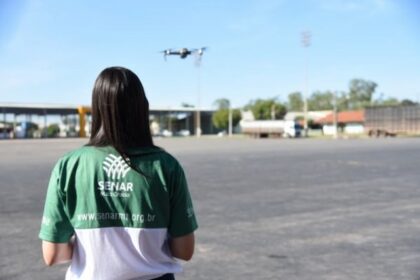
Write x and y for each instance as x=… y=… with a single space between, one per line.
x=267 y=209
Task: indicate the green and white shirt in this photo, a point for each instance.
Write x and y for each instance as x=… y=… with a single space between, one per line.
x=121 y=219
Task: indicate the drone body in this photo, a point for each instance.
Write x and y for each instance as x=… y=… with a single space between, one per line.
x=184 y=52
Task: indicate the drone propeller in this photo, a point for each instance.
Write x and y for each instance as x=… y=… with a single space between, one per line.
x=198 y=55
x=201 y=50
x=166 y=53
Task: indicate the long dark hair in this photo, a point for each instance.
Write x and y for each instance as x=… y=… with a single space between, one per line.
x=120 y=111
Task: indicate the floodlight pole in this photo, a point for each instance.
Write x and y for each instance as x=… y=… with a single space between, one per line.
x=198 y=57
x=306 y=42
x=198 y=113
x=199 y=53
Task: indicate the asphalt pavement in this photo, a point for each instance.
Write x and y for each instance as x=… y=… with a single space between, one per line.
x=267 y=209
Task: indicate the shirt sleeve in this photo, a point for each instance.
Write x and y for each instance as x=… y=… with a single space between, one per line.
x=182 y=217
x=55 y=226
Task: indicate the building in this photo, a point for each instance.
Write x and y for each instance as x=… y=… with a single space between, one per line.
x=349 y=122
x=75 y=120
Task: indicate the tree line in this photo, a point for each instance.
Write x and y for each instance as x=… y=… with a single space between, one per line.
x=361 y=94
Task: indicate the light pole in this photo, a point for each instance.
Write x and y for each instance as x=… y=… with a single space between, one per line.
x=198 y=113
x=306 y=42
x=198 y=58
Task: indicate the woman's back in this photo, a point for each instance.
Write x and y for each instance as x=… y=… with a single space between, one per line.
x=124 y=200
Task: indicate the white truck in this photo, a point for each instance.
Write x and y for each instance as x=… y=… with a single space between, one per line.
x=271 y=128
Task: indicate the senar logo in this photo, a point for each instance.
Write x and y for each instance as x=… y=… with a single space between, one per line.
x=115 y=167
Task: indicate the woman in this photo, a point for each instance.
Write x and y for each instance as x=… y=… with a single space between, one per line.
x=119 y=207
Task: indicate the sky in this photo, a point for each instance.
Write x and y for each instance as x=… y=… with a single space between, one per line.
x=52 y=51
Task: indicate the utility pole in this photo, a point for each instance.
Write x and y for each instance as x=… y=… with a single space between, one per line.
x=230 y=120
x=306 y=42
x=273 y=111
x=335 y=116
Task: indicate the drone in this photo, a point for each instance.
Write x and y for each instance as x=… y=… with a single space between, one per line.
x=184 y=52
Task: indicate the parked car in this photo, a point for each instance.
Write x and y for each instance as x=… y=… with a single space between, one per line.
x=183 y=132
x=166 y=133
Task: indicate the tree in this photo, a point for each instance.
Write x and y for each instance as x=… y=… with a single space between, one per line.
x=220 y=118
x=31 y=129
x=342 y=100
x=391 y=101
x=187 y=105
x=53 y=130
x=319 y=101
x=361 y=93
x=295 y=102
x=264 y=109
x=222 y=103
x=408 y=102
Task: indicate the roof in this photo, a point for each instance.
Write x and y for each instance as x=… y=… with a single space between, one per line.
x=62 y=109
x=344 y=117
x=37 y=109
x=313 y=115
